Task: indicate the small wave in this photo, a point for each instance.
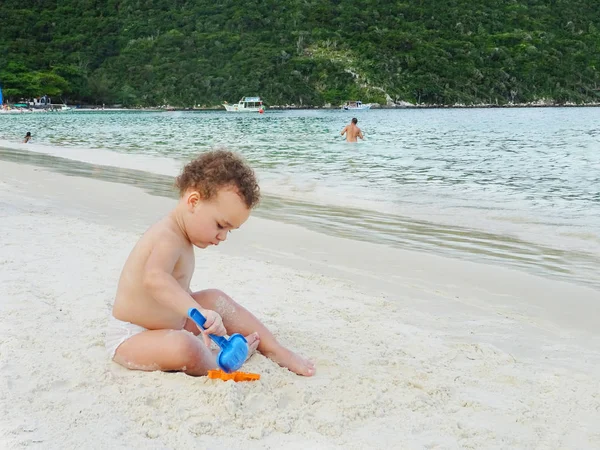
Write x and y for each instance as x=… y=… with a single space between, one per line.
x=359 y=224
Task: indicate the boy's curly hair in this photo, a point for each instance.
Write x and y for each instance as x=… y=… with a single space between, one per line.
x=217 y=169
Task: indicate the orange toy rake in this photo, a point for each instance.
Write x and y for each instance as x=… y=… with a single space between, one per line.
x=235 y=376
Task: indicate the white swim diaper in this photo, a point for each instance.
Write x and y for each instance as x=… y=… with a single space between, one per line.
x=118 y=332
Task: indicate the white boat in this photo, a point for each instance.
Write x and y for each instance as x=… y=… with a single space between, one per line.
x=356 y=106
x=246 y=104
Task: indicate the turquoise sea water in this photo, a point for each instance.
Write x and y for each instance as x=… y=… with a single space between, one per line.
x=511 y=186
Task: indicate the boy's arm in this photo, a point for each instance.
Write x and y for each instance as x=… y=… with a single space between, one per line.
x=159 y=282
x=360 y=135
x=158 y=277
x=344 y=130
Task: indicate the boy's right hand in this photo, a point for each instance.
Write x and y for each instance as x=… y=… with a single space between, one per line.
x=213 y=325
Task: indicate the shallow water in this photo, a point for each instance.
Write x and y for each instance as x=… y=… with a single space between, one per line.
x=516 y=185
x=361 y=224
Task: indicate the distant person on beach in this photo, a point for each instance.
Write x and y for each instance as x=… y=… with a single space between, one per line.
x=149 y=328
x=27 y=138
x=352 y=131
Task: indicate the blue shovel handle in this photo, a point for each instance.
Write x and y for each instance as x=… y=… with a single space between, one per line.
x=234 y=351
x=200 y=320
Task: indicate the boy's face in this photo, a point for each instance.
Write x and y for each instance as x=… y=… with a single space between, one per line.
x=209 y=221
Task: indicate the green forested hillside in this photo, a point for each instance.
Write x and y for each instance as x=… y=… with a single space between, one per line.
x=307 y=52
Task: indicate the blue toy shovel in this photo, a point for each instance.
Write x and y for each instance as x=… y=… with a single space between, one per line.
x=234 y=350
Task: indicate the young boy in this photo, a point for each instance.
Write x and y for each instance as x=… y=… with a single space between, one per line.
x=149 y=328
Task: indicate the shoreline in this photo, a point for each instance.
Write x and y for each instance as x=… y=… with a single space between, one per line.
x=374 y=107
x=412 y=349
x=337 y=256
x=91 y=108
x=476 y=245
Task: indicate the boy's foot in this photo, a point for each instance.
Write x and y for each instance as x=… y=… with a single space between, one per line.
x=293 y=362
x=253 y=341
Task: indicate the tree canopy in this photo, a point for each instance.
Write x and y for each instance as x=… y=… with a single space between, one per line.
x=309 y=52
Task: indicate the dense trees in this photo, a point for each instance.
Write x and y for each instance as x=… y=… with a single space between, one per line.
x=310 y=52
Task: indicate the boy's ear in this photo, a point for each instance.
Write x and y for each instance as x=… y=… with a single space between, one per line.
x=193 y=199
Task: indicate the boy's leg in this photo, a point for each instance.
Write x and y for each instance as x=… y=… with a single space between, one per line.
x=238 y=319
x=167 y=350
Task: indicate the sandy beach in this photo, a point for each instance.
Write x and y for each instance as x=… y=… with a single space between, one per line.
x=413 y=350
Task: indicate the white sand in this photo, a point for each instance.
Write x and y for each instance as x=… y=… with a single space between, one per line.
x=412 y=350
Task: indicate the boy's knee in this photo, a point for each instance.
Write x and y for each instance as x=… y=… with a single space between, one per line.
x=215 y=293
x=189 y=349
x=210 y=295
x=218 y=301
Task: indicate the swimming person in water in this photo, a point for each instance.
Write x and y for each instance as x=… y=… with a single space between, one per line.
x=27 y=138
x=352 y=131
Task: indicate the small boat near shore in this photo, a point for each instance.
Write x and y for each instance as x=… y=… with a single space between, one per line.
x=246 y=104
x=356 y=106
